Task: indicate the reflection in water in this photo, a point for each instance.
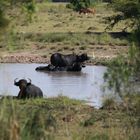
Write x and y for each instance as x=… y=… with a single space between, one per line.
x=85 y=85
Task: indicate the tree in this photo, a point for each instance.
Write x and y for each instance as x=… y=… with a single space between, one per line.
x=123 y=68
x=79 y=4
x=128 y=10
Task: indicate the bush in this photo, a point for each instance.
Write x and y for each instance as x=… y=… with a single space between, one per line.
x=79 y=4
x=109 y=103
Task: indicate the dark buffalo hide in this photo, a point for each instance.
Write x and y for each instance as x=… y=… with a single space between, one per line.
x=60 y=60
x=27 y=90
x=75 y=67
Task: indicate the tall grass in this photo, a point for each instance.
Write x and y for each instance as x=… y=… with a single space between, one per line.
x=64 y=118
x=77 y=38
x=31 y=119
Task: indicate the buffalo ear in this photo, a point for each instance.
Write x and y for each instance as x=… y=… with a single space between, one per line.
x=16 y=83
x=28 y=83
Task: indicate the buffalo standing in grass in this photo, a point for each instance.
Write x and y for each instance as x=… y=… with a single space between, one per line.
x=27 y=89
x=60 y=60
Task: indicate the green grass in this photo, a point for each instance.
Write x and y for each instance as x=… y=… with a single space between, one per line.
x=52 y=17
x=76 y=39
x=61 y=118
x=55 y=26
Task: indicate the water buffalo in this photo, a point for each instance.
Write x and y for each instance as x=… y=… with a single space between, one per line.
x=60 y=60
x=75 y=67
x=27 y=89
x=46 y=68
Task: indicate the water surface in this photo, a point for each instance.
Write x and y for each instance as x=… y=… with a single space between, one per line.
x=84 y=85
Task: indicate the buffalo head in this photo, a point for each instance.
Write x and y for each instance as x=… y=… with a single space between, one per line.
x=83 y=57
x=22 y=83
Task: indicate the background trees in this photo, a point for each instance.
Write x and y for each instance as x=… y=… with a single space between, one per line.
x=124 y=67
x=128 y=10
x=79 y=4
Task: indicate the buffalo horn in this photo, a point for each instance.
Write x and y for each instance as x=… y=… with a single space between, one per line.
x=15 y=80
x=29 y=80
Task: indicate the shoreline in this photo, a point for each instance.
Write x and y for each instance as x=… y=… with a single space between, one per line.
x=46 y=60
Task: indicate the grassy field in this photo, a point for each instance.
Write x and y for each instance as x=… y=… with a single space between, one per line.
x=56 y=28
x=62 y=118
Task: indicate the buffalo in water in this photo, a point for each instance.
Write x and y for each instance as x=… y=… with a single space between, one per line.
x=60 y=60
x=75 y=67
x=27 y=89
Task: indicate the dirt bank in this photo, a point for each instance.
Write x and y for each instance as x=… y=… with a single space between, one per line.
x=99 y=55
x=23 y=58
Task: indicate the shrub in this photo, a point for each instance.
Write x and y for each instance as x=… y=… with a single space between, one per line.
x=79 y=4
x=109 y=103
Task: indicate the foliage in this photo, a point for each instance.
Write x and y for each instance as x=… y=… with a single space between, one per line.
x=3 y=20
x=89 y=122
x=74 y=31
x=107 y=1
x=32 y=119
x=43 y=119
x=109 y=103
x=29 y=9
x=8 y=5
x=79 y=4
x=125 y=10
x=81 y=39
x=125 y=67
x=97 y=137
x=7 y=17
x=128 y=11
x=122 y=69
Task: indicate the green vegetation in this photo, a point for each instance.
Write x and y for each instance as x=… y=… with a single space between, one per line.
x=64 y=118
x=29 y=8
x=126 y=67
x=8 y=6
x=76 y=39
x=125 y=10
x=55 y=26
x=45 y=28
x=79 y=4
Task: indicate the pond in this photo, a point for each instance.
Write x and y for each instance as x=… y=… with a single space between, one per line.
x=85 y=85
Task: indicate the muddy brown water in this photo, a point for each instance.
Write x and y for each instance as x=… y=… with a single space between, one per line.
x=85 y=85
